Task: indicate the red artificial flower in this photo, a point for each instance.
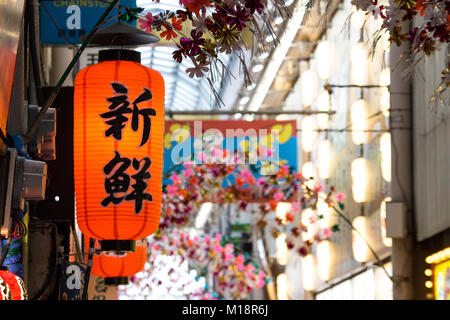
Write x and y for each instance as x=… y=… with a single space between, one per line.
x=195 y=5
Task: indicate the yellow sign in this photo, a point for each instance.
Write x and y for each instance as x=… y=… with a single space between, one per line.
x=442 y=280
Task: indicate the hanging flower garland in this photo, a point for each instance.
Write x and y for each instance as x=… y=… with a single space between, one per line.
x=425 y=39
x=193 y=185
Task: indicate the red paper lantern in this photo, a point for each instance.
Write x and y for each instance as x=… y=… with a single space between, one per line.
x=116 y=268
x=118 y=149
x=12 y=287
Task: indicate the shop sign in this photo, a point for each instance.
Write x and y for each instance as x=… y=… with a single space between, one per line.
x=72 y=281
x=63 y=20
x=442 y=280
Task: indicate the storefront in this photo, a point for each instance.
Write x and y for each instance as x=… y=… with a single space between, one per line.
x=438 y=274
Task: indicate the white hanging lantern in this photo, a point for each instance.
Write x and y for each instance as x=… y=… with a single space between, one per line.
x=360 y=179
x=325 y=211
x=308 y=134
x=325 y=259
x=282 y=249
x=357 y=18
x=309 y=273
x=361 y=251
x=309 y=171
x=308 y=86
x=325 y=156
x=323 y=51
x=282 y=287
x=323 y=104
x=359 y=64
x=359 y=121
x=308 y=215
x=385 y=150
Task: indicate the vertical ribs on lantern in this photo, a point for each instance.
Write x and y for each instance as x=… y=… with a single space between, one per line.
x=118 y=149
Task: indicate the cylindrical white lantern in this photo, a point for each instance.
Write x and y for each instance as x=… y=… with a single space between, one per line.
x=359 y=121
x=323 y=56
x=325 y=259
x=309 y=215
x=309 y=171
x=357 y=18
x=360 y=173
x=282 y=287
x=325 y=156
x=309 y=273
x=359 y=64
x=308 y=134
x=361 y=251
x=282 y=250
x=325 y=211
x=323 y=104
x=308 y=87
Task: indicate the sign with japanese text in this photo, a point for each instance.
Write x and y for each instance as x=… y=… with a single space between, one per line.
x=62 y=20
x=118 y=149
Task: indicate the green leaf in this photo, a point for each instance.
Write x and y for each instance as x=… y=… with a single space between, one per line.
x=335 y=228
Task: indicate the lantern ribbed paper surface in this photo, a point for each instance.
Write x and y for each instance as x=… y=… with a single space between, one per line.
x=118 y=149
x=110 y=265
x=16 y=288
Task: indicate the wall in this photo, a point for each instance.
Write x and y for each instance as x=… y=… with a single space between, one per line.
x=431 y=144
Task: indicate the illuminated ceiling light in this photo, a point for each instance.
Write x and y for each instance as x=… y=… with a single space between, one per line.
x=428 y=272
x=360 y=179
x=264 y=55
x=361 y=251
x=278 y=20
x=238 y=115
x=309 y=273
x=325 y=259
x=269 y=38
x=439 y=256
x=308 y=133
x=282 y=286
x=282 y=249
x=359 y=122
x=308 y=215
x=279 y=54
x=428 y=284
x=324 y=60
x=203 y=214
x=386 y=241
x=307 y=87
x=385 y=150
x=258 y=67
x=359 y=64
x=357 y=18
x=323 y=104
x=251 y=86
x=244 y=100
x=325 y=156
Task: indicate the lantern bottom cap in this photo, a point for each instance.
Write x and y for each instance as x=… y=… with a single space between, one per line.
x=118 y=245
x=116 y=281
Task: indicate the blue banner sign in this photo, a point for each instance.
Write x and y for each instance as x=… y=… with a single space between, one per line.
x=63 y=20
